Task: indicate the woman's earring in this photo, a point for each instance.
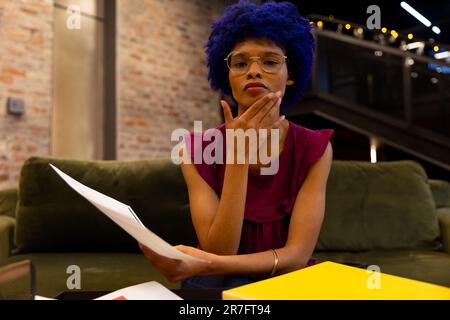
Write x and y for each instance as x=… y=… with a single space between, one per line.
x=290 y=82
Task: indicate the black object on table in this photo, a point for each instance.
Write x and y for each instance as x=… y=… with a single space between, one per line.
x=186 y=294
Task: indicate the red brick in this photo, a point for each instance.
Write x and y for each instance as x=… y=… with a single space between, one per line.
x=20 y=36
x=37 y=39
x=15 y=91
x=6 y=79
x=31 y=149
x=16 y=148
x=142 y=139
x=15 y=72
x=29 y=10
x=27 y=33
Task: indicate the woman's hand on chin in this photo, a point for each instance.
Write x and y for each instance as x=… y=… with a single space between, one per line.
x=175 y=269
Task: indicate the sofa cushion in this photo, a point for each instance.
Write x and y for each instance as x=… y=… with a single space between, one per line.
x=53 y=217
x=7 y=225
x=422 y=265
x=386 y=205
x=441 y=192
x=444 y=226
x=8 y=202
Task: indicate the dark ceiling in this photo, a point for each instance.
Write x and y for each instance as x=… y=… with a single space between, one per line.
x=392 y=15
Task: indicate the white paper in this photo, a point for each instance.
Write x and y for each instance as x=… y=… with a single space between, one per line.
x=122 y=215
x=42 y=298
x=146 y=291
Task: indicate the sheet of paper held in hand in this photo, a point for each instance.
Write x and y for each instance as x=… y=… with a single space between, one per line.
x=125 y=217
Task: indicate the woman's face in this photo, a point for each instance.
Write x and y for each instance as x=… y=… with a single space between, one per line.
x=273 y=82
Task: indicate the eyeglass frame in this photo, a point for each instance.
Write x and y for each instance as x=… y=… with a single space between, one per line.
x=251 y=58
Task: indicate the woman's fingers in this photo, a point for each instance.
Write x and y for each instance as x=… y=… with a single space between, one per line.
x=270 y=114
x=183 y=248
x=256 y=114
x=256 y=107
x=196 y=253
x=156 y=258
x=258 y=118
x=226 y=111
x=277 y=123
x=176 y=269
x=150 y=254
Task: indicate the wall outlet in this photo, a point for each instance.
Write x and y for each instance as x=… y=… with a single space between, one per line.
x=15 y=106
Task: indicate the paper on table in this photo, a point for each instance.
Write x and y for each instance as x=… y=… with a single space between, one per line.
x=42 y=298
x=145 y=291
x=124 y=216
x=151 y=290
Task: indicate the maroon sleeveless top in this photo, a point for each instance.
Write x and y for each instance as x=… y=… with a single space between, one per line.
x=270 y=198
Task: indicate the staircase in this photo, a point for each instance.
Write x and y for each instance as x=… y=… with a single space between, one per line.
x=401 y=98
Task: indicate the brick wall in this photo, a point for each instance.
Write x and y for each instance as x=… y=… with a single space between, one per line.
x=161 y=78
x=162 y=75
x=26 y=37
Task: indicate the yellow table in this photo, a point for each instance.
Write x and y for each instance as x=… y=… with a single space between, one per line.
x=334 y=281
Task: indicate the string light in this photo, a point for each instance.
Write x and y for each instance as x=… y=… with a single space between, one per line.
x=436 y=48
x=384 y=29
x=320 y=24
x=348 y=26
x=410 y=36
x=436 y=30
x=394 y=34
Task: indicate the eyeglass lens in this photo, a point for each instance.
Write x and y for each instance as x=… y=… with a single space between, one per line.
x=269 y=62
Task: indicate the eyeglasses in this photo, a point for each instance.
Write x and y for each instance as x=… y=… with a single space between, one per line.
x=239 y=62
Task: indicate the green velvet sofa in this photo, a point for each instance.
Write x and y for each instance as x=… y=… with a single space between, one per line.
x=387 y=214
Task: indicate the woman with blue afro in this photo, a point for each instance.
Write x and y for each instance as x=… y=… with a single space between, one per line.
x=252 y=226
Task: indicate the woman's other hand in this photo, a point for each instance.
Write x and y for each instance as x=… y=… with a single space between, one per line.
x=263 y=114
x=175 y=269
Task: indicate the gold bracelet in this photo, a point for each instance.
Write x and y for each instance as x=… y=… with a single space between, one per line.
x=275 y=262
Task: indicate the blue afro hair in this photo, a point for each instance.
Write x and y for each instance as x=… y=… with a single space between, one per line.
x=279 y=22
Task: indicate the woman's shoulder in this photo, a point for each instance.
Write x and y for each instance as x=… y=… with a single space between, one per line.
x=309 y=143
x=304 y=132
x=306 y=139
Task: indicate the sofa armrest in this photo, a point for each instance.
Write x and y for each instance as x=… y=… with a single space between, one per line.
x=7 y=228
x=8 y=202
x=441 y=192
x=444 y=226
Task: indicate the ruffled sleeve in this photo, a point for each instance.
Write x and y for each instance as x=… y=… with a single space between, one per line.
x=309 y=147
x=316 y=144
x=206 y=171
